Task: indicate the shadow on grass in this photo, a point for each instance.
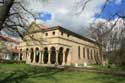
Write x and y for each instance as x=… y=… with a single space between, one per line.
x=104 y=78
x=19 y=76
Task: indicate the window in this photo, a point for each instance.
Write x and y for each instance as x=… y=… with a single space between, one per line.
x=83 y=52
x=62 y=33
x=53 y=33
x=97 y=55
x=46 y=34
x=91 y=54
x=88 y=53
x=67 y=35
x=79 y=52
x=94 y=52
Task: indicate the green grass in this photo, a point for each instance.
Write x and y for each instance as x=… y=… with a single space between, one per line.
x=22 y=73
x=114 y=68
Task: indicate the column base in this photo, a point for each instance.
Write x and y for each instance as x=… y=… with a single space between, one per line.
x=48 y=62
x=56 y=63
x=63 y=63
x=33 y=62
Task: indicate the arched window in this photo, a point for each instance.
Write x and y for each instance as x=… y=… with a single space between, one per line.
x=91 y=54
x=88 y=53
x=83 y=52
x=79 y=52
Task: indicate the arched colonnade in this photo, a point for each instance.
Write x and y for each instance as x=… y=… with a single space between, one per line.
x=46 y=56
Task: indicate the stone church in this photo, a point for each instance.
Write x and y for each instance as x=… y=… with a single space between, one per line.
x=57 y=46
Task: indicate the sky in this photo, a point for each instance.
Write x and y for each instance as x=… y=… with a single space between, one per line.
x=66 y=12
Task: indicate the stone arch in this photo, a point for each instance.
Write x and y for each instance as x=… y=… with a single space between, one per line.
x=37 y=53
x=60 y=55
x=45 y=57
x=21 y=54
x=31 y=54
x=66 y=55
x=53 y=55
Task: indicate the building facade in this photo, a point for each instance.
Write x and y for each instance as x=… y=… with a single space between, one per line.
x=8 y=49
x=57 y=46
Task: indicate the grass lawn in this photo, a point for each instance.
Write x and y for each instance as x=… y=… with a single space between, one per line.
x=22 y=73
x=112 y=67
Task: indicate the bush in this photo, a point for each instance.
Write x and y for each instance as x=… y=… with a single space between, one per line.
x=12 y=61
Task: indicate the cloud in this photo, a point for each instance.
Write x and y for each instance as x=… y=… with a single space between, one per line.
x=118 y=1
x=64 y=12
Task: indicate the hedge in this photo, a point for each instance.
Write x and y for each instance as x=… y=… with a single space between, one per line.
x=11 y=61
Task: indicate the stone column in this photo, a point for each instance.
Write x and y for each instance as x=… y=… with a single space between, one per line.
x=49 y=53
x=90 y=55
x=29 y=60
x=99 y=56
x=57 y=57
x=23 y=56
x=93 y=56
x=42 y=56
x=86 y=57
x=63 y=63
x=19 y=56
x=34 y=56
x=26 y=57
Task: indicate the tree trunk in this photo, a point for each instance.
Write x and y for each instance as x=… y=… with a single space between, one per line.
x=5 y=9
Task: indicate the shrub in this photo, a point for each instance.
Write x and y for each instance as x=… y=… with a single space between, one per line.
x=12 y=61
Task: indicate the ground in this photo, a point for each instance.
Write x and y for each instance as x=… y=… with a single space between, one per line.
x=22 y=73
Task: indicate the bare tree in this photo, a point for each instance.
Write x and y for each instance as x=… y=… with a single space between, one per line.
x=108 y=36
x=14 y=16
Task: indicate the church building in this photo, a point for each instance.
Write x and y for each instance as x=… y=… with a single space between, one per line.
x=57 y=46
